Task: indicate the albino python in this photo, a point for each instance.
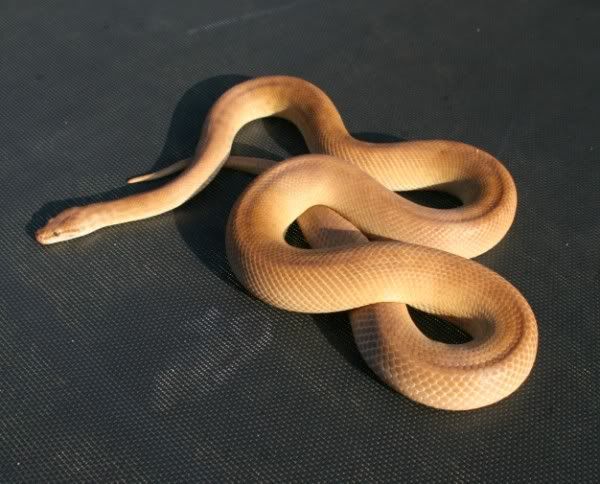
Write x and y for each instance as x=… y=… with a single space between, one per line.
x=372 y=252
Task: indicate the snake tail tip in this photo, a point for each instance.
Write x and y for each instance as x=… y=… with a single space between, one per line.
x=136 y=179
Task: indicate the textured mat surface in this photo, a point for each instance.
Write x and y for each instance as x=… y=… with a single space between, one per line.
x=134 y=355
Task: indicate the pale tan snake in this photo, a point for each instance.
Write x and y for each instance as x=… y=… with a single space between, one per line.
x=383 y=253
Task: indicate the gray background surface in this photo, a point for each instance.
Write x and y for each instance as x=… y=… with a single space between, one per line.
x=133 y=354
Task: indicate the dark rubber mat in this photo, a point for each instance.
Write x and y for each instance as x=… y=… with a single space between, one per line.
x=133 y=355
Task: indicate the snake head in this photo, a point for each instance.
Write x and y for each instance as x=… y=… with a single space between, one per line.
x=69 y=224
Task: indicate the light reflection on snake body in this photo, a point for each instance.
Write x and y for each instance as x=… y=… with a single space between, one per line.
x=373 y=251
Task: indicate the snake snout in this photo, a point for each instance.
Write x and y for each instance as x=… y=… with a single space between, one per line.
x=49 y=235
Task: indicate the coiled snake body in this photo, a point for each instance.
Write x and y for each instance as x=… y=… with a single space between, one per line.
x=373 y=251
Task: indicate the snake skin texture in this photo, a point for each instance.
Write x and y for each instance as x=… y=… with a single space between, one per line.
x=373 y=252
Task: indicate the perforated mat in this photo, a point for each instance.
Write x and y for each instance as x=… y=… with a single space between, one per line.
x=133 y=355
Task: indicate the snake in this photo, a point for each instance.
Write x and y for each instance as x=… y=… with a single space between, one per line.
x=372 y=251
